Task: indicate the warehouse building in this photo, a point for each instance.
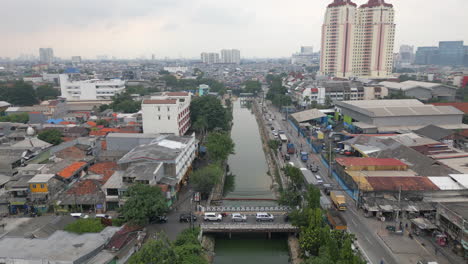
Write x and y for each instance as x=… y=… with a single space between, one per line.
x=384 y=116
x=422 y=90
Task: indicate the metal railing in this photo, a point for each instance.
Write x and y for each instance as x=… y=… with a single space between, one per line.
x=220 y=227
x=246 y=209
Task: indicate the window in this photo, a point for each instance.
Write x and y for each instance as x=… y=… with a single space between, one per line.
x=42 y=186
x=168 y=108
x=168 y=117
x=159 y=117
x=159 y=108
x=34 y=186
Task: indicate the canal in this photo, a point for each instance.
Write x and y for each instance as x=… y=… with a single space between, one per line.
x=251 y=180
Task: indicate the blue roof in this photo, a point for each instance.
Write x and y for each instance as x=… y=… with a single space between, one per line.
x=54 y=121
x=72 y=70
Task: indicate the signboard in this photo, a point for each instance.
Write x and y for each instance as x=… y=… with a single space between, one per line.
x=196 y=197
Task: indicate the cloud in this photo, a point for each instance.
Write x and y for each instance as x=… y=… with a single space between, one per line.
x=260 y=28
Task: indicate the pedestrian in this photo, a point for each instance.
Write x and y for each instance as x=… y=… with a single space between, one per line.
x=436 y=250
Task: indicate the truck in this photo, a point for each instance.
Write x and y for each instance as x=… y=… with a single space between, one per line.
x=283 y=137
x=339 y=200
x=304 y=156
x=336 y=220
x=290 y=148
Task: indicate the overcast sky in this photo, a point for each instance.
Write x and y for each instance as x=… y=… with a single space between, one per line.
x=185 y=28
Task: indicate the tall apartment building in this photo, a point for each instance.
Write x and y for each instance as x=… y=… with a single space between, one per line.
x=168 y=112
x=210 y=57
x=358 y=42
x=46 y=55
x=230 y=56
x=74 y=89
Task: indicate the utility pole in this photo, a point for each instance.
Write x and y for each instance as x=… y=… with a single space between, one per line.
x=329 y=158
x=399 y=205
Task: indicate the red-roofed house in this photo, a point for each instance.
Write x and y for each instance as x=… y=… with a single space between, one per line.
x=75 y=170
x=106 y=169
x=83 y=196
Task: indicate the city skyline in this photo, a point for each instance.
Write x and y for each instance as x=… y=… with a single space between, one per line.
x=257 y=28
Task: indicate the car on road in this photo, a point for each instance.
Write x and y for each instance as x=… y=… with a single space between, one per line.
x=236 y=217
x=319 y=179
x=272 y=128
x=159 y=219
x=264 y=217
x=185 y=217
x=213 y=217
x=280 y=132
x=287 y=157
x=103 y=216
x=314 y=168
x=274 y=133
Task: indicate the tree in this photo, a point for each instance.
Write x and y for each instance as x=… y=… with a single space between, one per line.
x=52 y=136
x=159 y=251
x=124 y=103
x=210 y=108
x=328 y=101
x=15 y=118
x=102 y=122
x=307 y=100
x=252 y=87
x=219 y=145
x=200 y=125
x=290 y=197
x=18 y=93
x=206 y=178
x=144 y=201
x=90 y=225
x=47 y=92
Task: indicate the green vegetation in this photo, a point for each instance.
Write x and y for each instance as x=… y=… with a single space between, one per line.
x=47 y=92
x=15 y=118
x=192 y=84
x=252 y=87
x=209 y=114
x=124 y=103
x=397 y=95
x=139 y=89
x=291 y=195
x=462 y=94
x=277 y=92
x=219 y=146
x=206 y=178
x=18 y=93
x=316 y=239
x=274 y=144
x=185 y=250
x=102 y=122
x=144 y=201
x=90 y=225
x=52 y=136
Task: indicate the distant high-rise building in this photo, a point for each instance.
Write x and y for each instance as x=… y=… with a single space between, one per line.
x=76 y=60
x=451 y=53
x=358 y=42
x=210 y=57
x=427 y=55
x=406 y=54
x=230 y=56
x=307 y=49
x=153 y=57
x=46 y=55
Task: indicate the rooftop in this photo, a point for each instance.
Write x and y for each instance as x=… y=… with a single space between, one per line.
x=462 y=106
x=40 y=178
x=72 y=169
x=403 y=183
x=160 y=101
x=407 y=85
x=106 y=169
x=307 y=115
x=63 y=247
x=369 y=162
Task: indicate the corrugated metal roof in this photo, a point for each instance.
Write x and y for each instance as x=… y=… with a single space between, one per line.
x=446 y=183
x=307 y=115
x=461 y=179
x=369 y=162
x=405 y=183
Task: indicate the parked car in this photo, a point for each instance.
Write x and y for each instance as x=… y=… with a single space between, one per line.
x=185 y=217
x=213 y=217
x=103 y=216
x=79 y=215
x=236 y=217
x=159 y=219
x=287 y=157
x=264 y=217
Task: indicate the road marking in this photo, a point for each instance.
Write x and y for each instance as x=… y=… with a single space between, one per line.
x=352 y=220
x=367 y=239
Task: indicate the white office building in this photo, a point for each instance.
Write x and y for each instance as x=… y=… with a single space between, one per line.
x=94 y=89
x=230 y=56
x=210 y=57
x=168 y=112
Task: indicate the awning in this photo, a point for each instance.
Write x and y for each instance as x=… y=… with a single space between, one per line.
x=386 y=208
x=423 y=223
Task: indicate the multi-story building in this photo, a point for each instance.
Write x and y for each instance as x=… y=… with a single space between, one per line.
x=168 y=112
x=452 y=53
x=230 y=56
x=406 y=55
x=337 y=38
x=358 y=42
x=210 y=57
x=76 y=60
x=305 y=57
x=78 y=90
x=46 y=55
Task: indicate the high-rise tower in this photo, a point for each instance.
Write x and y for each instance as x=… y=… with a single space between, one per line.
x=374 y=39
x=337 y=38
x=358 y=42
